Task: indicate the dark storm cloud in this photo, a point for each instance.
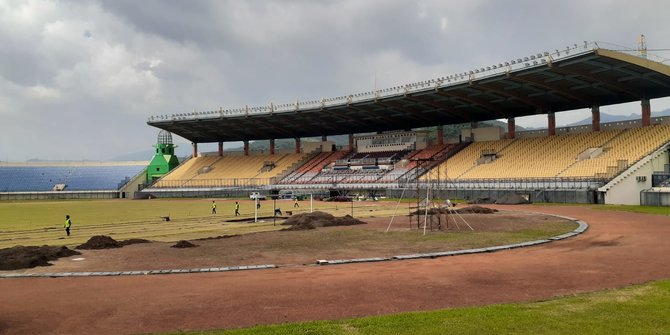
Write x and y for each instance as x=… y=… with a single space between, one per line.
x=98 y=69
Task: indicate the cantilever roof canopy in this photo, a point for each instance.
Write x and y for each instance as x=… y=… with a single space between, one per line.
x=525 y=87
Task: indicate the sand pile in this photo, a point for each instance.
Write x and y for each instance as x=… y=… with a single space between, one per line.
x=318 y=219
x=21 y=257
x=184 y=244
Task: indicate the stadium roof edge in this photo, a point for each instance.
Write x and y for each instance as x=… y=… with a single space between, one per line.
x=534 y=85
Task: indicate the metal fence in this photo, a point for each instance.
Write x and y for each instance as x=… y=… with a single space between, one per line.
x=576 y=196
x=655 y=197
x=214 y=183
x=61 y=195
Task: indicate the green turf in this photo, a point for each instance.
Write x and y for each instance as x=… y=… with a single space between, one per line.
x=642 y=309
x=41 y=222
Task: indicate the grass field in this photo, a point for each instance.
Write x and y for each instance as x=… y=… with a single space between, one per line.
x=641 y=309
x=41 y=222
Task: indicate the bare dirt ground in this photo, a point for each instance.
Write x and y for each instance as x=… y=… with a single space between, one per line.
x=290 y=248
x=619 y=249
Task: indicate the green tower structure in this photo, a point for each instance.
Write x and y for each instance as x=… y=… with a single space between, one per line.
x=164 y=159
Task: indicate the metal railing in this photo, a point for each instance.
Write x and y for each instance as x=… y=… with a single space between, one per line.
x=214 y=183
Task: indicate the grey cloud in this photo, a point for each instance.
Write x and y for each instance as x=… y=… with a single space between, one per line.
x=111 y=64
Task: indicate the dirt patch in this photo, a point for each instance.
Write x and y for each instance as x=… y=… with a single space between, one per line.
x=251 y=219
x=21 y=257
x=306 y=221
x=184 y=244
x=216 y=237
x=133 y=241
x=465 y=210
x=100 y=242
x=476 y=210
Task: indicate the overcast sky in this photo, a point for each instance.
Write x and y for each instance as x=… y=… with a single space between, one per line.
x=78 y=79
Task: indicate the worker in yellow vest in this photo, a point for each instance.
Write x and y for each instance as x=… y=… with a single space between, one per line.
x=213 y=207
x=237 y=208
x=68 y=224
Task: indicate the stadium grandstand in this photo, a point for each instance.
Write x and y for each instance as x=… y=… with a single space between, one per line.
x=81 y=180
x=390 y=131
x=396 y=140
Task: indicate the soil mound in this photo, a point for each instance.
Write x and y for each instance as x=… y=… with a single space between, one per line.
x=476 y=210
x=133 y=241
x=184 y=244
x=306 y=221
x=21 y=257
x=512 y=199
x=100 y=242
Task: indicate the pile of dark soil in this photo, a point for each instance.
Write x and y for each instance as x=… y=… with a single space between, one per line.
x=184 y=244
x=100 y=242
x=512 y=199
x=21 y=257
x=313 y=220
x=476 y=210
x=133 y=241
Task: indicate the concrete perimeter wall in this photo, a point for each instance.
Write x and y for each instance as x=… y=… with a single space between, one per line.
x=62 y=195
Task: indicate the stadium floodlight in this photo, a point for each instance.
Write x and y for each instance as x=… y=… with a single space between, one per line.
x=558 y=53
x=488 y=68
x=525 y=59
x=507 y=63
x=546 y=53
x=539 y=55
x=494 y=66
x=513 y=62
x=532 y=57
x=519 y=60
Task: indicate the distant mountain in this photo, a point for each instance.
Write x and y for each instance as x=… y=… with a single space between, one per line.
x=605 y=118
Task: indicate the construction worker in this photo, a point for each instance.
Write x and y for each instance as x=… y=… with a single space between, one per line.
x=237 y=208
x=213 y=207
x=68 y=224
